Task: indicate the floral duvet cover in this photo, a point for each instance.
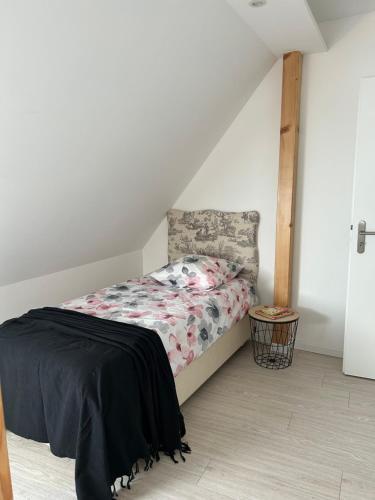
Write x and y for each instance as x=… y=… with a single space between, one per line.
x=188 y=322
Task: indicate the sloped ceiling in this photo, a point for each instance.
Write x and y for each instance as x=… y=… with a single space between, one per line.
x=283 y=25
x=108 y=108
x=328 y=10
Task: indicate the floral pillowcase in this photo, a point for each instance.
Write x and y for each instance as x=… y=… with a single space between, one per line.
x=197 y=272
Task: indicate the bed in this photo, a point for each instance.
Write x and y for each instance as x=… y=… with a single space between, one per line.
x=177 y=314
x=190 y=323
x=85 y=389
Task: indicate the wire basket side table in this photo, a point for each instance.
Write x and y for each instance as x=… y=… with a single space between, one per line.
x=273 y=340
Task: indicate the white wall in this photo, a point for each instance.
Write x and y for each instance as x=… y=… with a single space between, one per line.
x=107 y=110
x=241 y=173
x=328 y=132
x=52 y=289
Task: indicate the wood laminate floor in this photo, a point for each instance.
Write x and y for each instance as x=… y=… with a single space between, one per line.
x=307 y=432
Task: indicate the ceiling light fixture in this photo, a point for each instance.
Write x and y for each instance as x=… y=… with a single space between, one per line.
x=257 y=3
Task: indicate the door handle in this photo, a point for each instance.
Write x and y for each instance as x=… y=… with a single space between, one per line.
x=361 y=238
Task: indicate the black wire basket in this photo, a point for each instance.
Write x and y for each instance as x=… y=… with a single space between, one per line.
x=273 y=343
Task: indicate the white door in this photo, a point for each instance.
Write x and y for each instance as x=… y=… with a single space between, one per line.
x=359 y=346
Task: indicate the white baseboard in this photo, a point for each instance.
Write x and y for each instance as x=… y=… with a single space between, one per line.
x=318 y=349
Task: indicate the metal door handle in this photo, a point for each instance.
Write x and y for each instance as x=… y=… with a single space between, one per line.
x=362 y=233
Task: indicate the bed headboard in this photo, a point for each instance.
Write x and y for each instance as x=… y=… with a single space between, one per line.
x=229 y=235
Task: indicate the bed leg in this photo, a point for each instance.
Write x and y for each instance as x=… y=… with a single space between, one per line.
x=6 y=492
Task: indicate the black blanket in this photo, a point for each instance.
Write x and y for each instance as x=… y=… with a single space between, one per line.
x=99 y=391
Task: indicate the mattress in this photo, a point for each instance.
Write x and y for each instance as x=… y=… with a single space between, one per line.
x=187 y=321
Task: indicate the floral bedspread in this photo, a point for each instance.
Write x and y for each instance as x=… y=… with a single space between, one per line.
x=188 y=322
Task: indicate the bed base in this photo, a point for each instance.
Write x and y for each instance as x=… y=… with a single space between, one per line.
x=201 y=369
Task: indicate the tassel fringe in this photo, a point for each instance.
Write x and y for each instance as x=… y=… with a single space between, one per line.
x=184 y=448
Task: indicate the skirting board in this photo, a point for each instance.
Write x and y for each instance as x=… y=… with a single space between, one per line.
x=201 y=369
x=318 y=350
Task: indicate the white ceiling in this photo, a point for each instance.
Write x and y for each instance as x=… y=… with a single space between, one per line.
x=107 y=110
x=283 y=25
x=327 y=10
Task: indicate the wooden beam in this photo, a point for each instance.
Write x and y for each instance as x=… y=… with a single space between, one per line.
x=5 y=481
x=289 y=136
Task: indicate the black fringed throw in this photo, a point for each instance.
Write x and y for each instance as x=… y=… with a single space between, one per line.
x=99 y=391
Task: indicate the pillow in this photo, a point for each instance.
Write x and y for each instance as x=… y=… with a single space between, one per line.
x=198 y=272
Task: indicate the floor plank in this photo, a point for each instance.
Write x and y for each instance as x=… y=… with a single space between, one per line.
x=300 y=433
x=262 y=482
x=356 y=488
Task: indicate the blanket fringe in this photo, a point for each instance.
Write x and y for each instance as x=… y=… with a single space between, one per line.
x=114 y=491
x=184 y=448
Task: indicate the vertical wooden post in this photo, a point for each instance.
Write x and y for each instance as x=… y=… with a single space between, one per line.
x=289 y=136
x=5 y=481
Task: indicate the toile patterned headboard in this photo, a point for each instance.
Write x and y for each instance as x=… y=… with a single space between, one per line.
x=229 y=235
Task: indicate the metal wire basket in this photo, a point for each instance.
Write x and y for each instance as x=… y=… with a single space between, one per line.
x=273 y=343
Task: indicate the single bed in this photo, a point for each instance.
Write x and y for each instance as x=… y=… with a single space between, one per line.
x=200 y=329
x=188 y=322
x=94 y=377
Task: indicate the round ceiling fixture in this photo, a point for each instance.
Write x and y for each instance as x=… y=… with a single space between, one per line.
x=257 y=3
